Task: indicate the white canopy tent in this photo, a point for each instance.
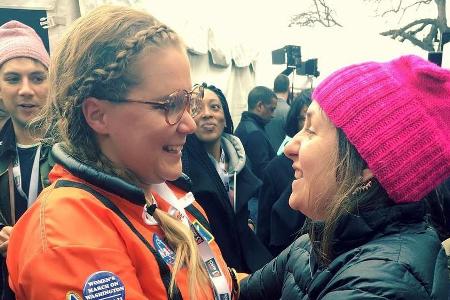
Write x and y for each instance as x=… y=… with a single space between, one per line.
x=230 y=44
x=214 y=58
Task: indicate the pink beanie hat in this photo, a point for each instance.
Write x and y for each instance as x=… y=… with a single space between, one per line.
x=397 y=115
x=20 y=40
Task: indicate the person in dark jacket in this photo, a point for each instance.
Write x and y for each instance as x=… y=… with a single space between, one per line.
x=375 y=143
x=275 y=129
x=4 y=116
x=438 y=213
x=223 y=183
x=24 y=161
x=262 y=103
x=278 y=224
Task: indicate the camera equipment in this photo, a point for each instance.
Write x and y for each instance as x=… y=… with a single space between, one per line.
x=292 y=57
x=436 y=56
x=291 y=52
x=309 y=67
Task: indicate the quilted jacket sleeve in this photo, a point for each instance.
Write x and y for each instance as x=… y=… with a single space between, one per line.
x=266 y=283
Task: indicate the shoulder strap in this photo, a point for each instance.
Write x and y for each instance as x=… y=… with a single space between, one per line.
x=199 y=216
x=163 y=268
x=12 y=200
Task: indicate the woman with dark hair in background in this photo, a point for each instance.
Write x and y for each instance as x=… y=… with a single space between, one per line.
x=223 y=183
x=278 y=224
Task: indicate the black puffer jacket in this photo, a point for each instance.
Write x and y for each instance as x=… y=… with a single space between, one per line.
x=385 y=254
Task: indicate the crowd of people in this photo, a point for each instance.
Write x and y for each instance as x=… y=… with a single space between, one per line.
x=120 y=178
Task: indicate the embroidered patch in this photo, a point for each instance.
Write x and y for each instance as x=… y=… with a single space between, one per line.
x=103 y=285
x=224 y=297
x=197 y=236
x=203 y=231
x=166 y=253
x=71 y=295
x=212 y=267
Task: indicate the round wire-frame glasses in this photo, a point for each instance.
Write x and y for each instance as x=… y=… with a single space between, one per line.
x=176 y=103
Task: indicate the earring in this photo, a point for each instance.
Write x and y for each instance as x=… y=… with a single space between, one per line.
x=364 y=186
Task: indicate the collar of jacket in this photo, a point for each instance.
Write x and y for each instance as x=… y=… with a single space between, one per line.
x=195 y=156
x=183 y=182
x=8 y=149
x=249 y=116
x=107 y=182
x=8 y=140
x=235 y=152
x=354 y=230
x=98 y=178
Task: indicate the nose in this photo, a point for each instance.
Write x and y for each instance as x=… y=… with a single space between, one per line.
x=187 y=124
x=26 y=88
x=206 y=111
x=292 y=148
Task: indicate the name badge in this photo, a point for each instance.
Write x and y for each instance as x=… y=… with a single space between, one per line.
x=203 y=231
x=164 y=250
x=103 y=285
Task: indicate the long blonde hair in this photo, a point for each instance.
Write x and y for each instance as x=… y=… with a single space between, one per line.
x=95 y=58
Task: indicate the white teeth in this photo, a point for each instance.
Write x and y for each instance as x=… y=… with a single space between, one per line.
x=174 y=148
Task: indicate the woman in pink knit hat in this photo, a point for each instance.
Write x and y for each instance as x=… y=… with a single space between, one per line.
x=375 y=144
x=24 y=163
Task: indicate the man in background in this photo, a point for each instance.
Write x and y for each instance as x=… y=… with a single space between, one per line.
x=275 y=128
x=262 y=103
x=24 y=162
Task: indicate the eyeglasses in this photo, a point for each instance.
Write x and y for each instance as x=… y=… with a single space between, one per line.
x=176 y=103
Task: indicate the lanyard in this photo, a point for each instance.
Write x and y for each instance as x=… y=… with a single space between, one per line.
x=222 y=170
x=225 y=177
x=34 y=178
x=216 y=275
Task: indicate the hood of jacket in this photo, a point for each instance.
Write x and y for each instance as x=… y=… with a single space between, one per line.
x=234 y=149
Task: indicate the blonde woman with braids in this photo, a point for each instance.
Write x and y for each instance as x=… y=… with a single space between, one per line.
x=109 y=227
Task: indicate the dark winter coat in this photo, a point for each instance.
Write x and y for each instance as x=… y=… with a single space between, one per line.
x=278 y=224
x=7 y=156
x=389 y=253
x=239 y=245
x=256 y=142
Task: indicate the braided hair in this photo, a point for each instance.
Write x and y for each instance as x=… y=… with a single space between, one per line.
x=97 y=58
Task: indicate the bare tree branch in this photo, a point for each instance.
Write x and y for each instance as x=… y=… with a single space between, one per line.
x=403 y=9
x=422 y=32
x=320 y=13
x=406 y=36
x=400 y=7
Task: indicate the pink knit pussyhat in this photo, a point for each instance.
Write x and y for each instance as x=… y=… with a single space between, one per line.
x=397 y=115
x=20 y=40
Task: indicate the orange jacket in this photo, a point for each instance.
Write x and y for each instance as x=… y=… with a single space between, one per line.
x=68 y=235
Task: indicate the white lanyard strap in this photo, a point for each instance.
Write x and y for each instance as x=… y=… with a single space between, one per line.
x=222 y=170
x=225 y=177
x=215 y=272
x=34 y=178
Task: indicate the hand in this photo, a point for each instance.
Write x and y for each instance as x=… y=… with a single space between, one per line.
x=251 y=224
x=5 y=233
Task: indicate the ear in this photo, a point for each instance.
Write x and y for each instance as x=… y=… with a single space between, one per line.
x=94 y=112
x=367 y=175
x=259 y=106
